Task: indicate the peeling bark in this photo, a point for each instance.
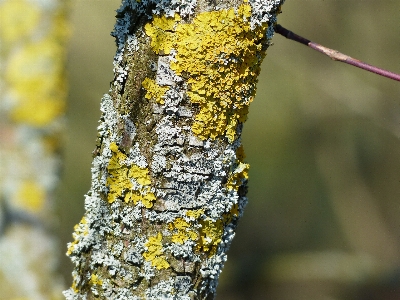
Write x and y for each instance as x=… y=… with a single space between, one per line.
x=168 y=175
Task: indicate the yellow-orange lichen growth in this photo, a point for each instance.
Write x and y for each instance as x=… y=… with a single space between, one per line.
x=182 y=231
x=154 y=252
x=207 y=237
x=120 y=183
x=210 y=235
x=161 y=33
x=95 y=280
x=233 y=212
x=80 y=230
x=220 y=55
x=239 y=174
x=154 y=91
x=195 y=214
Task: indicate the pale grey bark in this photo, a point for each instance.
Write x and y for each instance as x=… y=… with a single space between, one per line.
x=168 y=175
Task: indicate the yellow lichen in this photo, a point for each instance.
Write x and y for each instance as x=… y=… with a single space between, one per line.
x=210 y=235
x=237 y=177
x=120 y=184
x=81 y=229
x=161 y=33
x=182 y=231
x=195 y=214
x=95 y=280
x=74 y=287
x=154 y=90
x=154 y=252
x=233 y=212
x=220 y=55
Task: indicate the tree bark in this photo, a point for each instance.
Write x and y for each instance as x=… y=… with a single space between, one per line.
x=33 y=35
x=169 y=180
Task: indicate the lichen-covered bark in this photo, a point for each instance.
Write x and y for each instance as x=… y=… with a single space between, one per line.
x=33 y=34
x=168 y=176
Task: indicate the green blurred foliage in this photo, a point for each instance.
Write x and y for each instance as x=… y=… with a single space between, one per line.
x=322 y=141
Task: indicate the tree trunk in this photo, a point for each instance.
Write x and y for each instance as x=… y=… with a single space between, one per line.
x=32 y=99
x=168 y=176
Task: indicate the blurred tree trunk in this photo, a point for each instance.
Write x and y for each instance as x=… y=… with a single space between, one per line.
x=32 y=100
x=168 y=176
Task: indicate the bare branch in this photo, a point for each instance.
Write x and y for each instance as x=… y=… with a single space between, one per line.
x=334 y=54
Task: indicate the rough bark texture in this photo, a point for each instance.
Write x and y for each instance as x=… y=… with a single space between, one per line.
x=32 y=99
x=169 y=180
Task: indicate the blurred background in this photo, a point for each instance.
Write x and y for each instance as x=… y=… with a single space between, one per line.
x=322 y=140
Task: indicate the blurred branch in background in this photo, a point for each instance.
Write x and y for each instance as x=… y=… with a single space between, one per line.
x=33 y=92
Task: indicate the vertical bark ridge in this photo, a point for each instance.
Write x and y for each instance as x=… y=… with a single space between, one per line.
x=169 y=180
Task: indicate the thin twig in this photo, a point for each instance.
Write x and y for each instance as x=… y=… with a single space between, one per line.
x=335 y=55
